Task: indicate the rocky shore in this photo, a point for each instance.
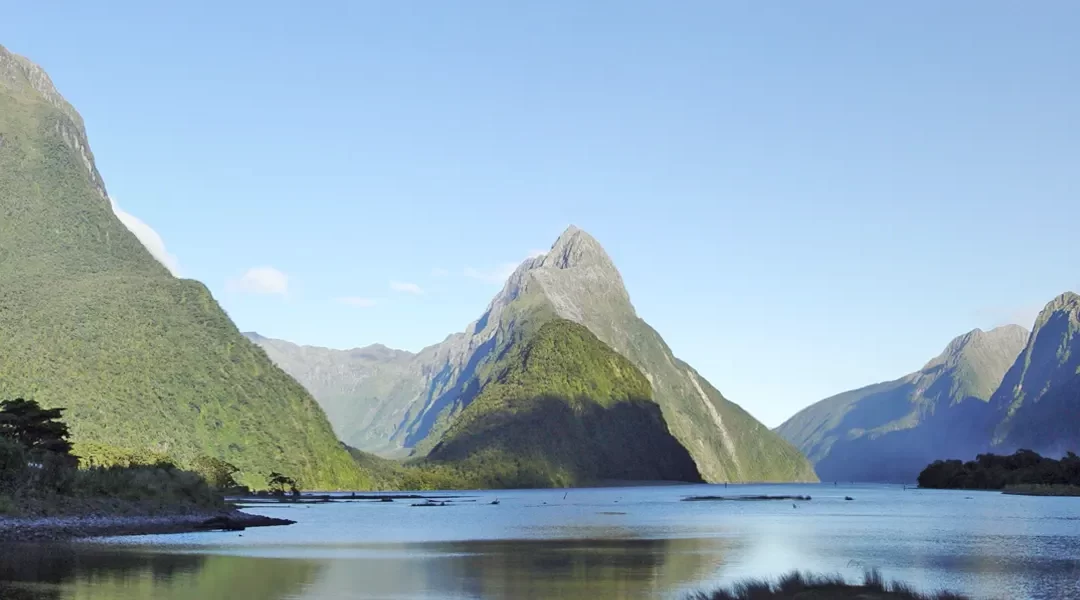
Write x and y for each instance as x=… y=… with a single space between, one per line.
x=27 y=529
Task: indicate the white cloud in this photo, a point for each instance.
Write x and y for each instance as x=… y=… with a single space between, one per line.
x=997 y=316
x=261 y=280
x=440 y=273
x=358 y=301
x=496 y=274
x=500 y=272
x=150 y=239
x=410 y=288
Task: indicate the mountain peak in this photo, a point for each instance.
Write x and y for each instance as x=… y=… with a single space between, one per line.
x=576 y=248
x=1068 y=302
x=978 y=345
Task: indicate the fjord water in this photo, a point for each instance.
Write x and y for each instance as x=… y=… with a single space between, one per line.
x=639 y=542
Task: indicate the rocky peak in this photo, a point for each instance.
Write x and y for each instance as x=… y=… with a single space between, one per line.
x=1004 y=342
x=22 y=79
x=14 y=68
x=1068 y=303
x=576 y=248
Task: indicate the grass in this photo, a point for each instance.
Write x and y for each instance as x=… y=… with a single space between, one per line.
x=802 y=586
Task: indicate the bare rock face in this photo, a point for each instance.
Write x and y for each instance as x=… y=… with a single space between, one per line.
x=404 y=405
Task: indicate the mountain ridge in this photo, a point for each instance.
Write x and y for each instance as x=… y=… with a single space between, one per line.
x=92 y=322
x=890 y=430
x=576 y=281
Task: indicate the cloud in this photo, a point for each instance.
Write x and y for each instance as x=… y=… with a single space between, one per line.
x=440 y=273
x=409 y=288
x=500 y=272
x=1010 y=315
x=150 y=239
x=496 y=274
x=358 y=301
x=261 y=280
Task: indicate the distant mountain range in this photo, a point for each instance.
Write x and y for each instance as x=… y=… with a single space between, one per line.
x=395 y=403
x=995 y=391
x=91 y=322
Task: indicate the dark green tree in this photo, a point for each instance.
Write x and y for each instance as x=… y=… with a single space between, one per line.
x=37 y=429
x=279 y=483
x=218 y=473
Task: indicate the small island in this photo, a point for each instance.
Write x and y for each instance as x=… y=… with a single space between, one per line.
x=48 y=492
x=1022 y=473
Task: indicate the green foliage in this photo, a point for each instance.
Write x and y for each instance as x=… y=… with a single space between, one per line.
x=279 y=484
x=140 y=359
x=994 y=472
x=36 y=429
x=44 y=478
x=216 y=472
x=561 y=409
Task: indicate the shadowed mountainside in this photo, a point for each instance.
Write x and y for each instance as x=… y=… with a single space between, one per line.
x=890 y=431
x=404 y=404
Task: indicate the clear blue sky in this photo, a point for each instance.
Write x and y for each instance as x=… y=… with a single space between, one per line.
x=802 y=197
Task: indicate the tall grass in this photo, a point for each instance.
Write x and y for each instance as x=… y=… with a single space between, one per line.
x=821 y=587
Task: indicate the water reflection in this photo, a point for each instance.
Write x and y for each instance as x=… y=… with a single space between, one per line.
x=48 y=572
x=603 y=568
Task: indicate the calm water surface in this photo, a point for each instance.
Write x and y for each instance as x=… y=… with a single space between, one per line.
x=596 y=543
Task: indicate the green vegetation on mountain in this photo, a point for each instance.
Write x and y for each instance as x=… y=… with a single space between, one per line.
x=562 y=409
x=91 y=322
x=993 y=472
x=40 y=476
x=404 y=404
x=889 y=431
x=1037 y=405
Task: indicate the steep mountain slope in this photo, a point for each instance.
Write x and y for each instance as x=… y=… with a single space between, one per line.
x=575 y=281
x=563 y=409
x=348 y=384
x=1037 y=406
x=90 y=321
x=890 y=431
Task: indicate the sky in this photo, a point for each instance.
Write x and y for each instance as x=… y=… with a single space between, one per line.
x=802 y=198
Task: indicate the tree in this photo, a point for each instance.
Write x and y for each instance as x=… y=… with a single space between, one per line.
x=278 y=484
x=37 y=429
x=218 y=473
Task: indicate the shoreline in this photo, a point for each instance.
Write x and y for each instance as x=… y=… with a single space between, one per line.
x=71 y=527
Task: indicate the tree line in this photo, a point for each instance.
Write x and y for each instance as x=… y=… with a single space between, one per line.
x=996 y=472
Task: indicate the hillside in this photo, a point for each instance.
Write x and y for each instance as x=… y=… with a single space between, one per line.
x=90 y=321
x=890 y=431
x=563 y=409
x=408 y=407
x=1037 y=406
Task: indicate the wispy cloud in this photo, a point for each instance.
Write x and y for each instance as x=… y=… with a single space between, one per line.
x=1024 y=315
x=496 y=274
x=500 y=272
x=261 y=280
x=149 y=238
x=357 y=301
x=408 y=288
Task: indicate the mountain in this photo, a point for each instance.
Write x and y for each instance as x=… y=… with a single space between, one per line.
x=349 y=384
x=407 y=404
x=1037 y=406
x=890 y=431
x=563 y=409
x=90 y=321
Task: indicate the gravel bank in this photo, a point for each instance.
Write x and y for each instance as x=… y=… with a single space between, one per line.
x=18 y=529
